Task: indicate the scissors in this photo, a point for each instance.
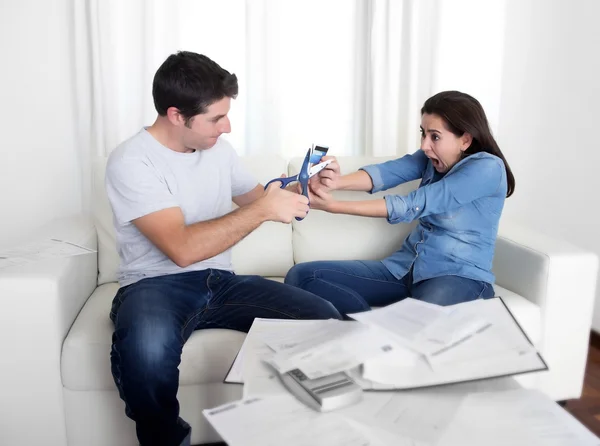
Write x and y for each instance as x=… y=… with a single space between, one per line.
x=307 y=171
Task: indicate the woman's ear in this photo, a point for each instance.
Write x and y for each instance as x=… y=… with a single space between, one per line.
x=466 y=141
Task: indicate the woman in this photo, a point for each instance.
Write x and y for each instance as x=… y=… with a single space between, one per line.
x=447 y=258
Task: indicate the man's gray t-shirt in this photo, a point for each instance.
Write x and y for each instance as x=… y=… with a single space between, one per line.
x=143 y=176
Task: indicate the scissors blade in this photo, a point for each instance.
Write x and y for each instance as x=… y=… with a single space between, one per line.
x=318 y=167
x=304 y=173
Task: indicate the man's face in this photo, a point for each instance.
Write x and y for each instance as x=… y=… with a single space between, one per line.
x=203 y=130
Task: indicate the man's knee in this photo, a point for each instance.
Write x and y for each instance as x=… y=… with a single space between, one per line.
x=149 y=346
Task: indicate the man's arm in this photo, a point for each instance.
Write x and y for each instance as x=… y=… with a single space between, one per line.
x=249 y=197
x=188 y=244
x=257 y=192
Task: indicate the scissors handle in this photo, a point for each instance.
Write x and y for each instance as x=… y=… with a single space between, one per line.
x=285 y=181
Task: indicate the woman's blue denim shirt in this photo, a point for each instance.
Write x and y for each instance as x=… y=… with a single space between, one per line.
x=457 y=212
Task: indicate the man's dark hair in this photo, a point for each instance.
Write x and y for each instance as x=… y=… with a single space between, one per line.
x=191 y=82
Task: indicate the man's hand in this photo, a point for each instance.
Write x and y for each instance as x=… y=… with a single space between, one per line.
x=282 y=205
x=327 y=179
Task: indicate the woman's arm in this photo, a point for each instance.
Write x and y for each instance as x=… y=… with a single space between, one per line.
x=374 y=177
x=357 y=181
x=480 y=176
x=321 y=199
x=475 y=179
x=366 y=208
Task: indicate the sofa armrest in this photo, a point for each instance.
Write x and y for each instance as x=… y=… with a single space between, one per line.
x=561 y=279
x=39 y=303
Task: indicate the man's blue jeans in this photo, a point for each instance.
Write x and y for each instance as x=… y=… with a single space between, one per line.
x=355 y=285
x=153 y=319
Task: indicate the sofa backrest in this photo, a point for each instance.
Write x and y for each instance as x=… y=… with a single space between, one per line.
x=273 y=248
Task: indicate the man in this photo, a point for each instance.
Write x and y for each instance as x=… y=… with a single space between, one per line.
x=170 y=187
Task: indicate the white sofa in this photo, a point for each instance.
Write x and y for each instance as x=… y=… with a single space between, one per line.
x=56 y=387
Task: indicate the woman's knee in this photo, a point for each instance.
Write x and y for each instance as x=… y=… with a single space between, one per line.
x=450 y=290
x=300 y=273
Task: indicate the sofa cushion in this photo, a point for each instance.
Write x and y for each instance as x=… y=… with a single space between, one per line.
x=267 y=251
x=208 y=354
x=323 y=236
x=85 y=364
x=108 y=258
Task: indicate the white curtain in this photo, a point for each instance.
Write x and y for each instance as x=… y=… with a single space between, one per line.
x=349 y=74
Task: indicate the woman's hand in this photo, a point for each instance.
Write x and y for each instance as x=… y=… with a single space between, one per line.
x=327 y=179
x=320 y=198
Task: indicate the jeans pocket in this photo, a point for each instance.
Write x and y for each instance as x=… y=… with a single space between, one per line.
x=117 y=302
x=487 y=291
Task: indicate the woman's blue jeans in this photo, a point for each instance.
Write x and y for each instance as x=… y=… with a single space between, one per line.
x=154 y=317
x=355 y=285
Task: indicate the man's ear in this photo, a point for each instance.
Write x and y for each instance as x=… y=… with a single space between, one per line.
x=175 y=117
x=466 y=141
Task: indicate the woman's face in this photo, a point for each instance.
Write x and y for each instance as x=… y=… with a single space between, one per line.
x=440 y=145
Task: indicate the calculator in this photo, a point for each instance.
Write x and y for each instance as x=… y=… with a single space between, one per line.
x=323 y=394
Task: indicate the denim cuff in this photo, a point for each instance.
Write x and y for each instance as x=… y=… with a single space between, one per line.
x=373 y=171
x=397 y=209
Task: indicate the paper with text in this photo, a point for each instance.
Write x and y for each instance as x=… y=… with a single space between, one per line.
x=501 y=349
x=281 y=420
x=420 y=415
x=519 y=417
x=425 y=328
x=333 y=346
x=38 y=251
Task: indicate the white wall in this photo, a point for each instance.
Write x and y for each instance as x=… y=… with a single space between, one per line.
x=549 y=122
x=39 y=173
x=469 y=57
x=547 y=119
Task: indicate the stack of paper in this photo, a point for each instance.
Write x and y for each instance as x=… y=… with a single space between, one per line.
x=406 y=345
x=326 y=348
x=491 y=345
x=249 y=368
x=429 y=329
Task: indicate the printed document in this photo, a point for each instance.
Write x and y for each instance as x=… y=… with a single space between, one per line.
x=519 y=417
x=38 y=251
x=282 y=420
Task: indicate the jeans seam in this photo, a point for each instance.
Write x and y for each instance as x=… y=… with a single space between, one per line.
x=187 y=322
x=485 y=285
x=362 y=303
x=354 y=275
x=117 y=363
x=199 y=311
x=291 y=316
x=234 y=285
